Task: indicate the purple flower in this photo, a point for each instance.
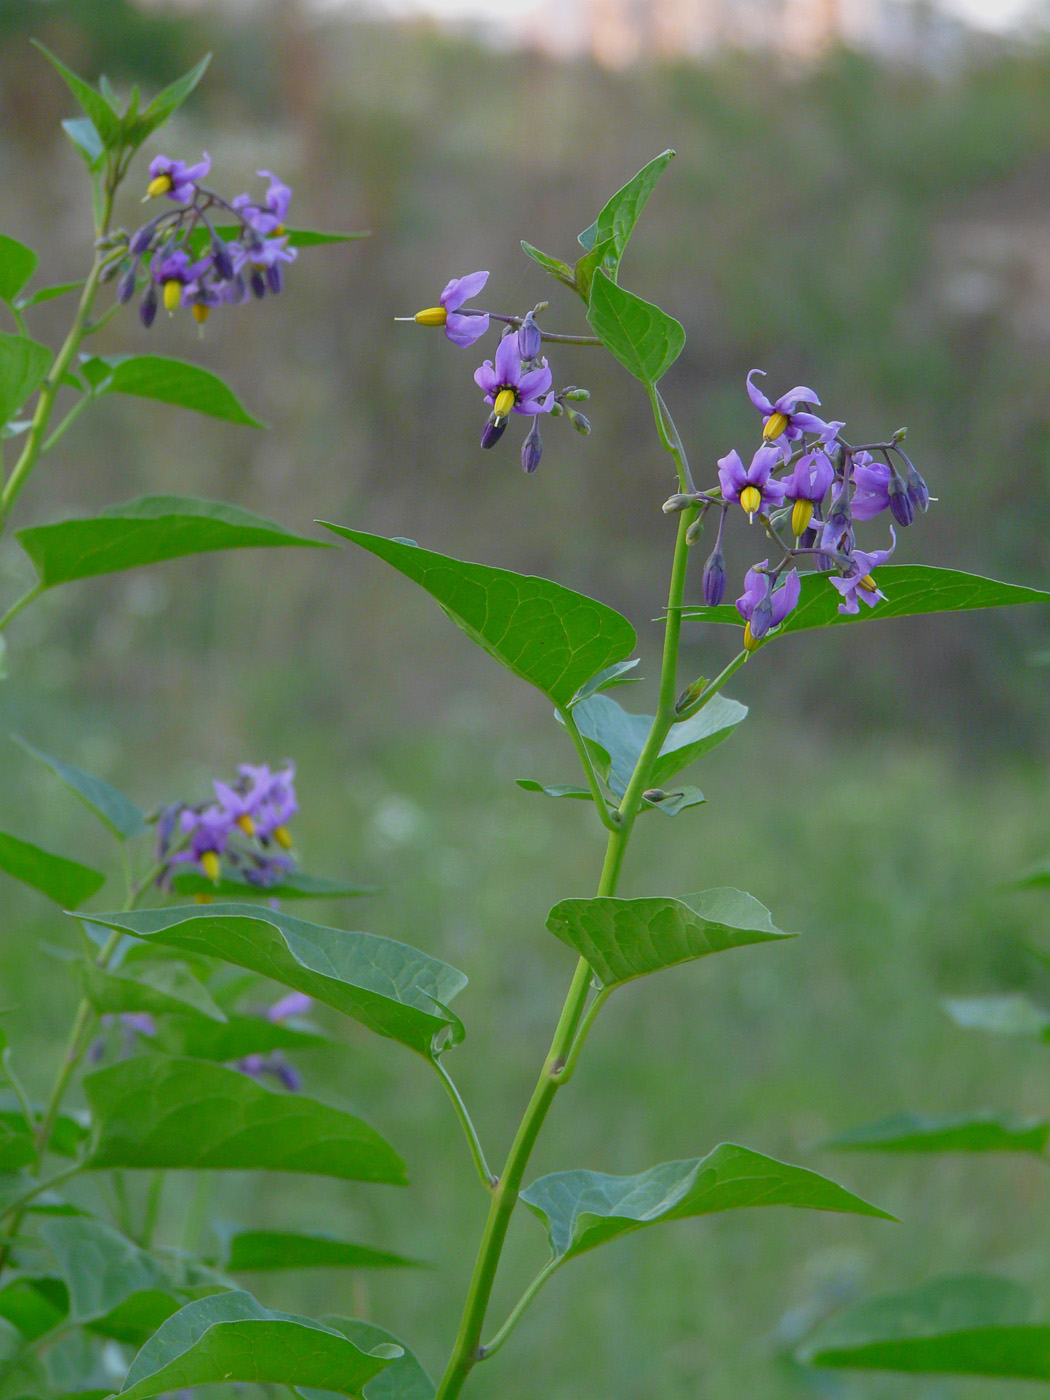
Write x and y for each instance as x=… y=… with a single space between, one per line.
x=763 y=609
x=714 y=578
x=782 y=418
x=273 y=802
x=754 y=488
x=174 y=273
x=276 y=1066
x=209 y=832
x=268 y=217
x=506 y=388
x=858 y=583
x=294 y=1004
x=175 y=178
x=807 y=486
x=872 y=480
x=463 y=330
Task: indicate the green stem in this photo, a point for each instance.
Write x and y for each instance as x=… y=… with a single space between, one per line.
x=590 y=1016
x=490 y=1348
x=474 y=1142
x=21 y=603
x=153 y=1199
x=18 y=1087
x=66 y=423
x=713 y=687
x=601 y=806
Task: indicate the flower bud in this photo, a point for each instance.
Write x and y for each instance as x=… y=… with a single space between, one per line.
x=675 y=503
x=653 y=795
x=221 y=258
x=141 y=239
x=690 y=695
x=579 y=422
x=493 y=431
x=257 y=282
x=918 y=491
x=556 y=409
x=532 y=448
x=714 y=580
x=577 y=395
x=762 y=617
x=274 y=278
x=695 y=530
x=901 y=505
x=530 y=341
x=126 y=285
x=148 y=306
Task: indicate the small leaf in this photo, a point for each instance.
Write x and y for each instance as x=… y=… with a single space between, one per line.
x=176 y=382
x=403 y=1379
x=616 y=222
x=627 y=938
x=67 y=1135
x=395 y=990
x=81 y=131
x=970 y=1325
x=60 y=289
x=557 y=790
x=201 y=1039
x=17 y=265
x=605 y=680
x=584 y=1209
x=558 y=269
x=680 y=800
x=601 y=255
x=146 y=531
x=105 y=120
x=17 y=1148
x=65 y=881
x=643 y=338
x=295 y=884
x=910 y=589
x=159 y=989
x=24 y=364
x=166 y=102
x=252 y=1251
x=1002 y=1015
x=230 y=1337
x=118 y=812
x=34 y=1305
x=157 y=1112
x=546 y=634
x=976 y=1132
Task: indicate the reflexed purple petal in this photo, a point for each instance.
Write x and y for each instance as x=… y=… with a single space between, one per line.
x=872 y=480
x=756 y=395
x=773 y=493
x=762 y=463
x=848 y=588
x=535 y=383
x=294 y=1004
x=786 y=597
x=508 y=362
x=486 y=380
x=536 y=405
x=756 y=588
x=808 y=423
x=830 y=433
x=461 y=289
x=464 y=330
x=799 y=394
x=731 y=475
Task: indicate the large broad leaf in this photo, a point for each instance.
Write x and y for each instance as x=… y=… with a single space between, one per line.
x=616 y=222
x=239 y=1036
x=977 y=1132
x=550 y=636
x=160 y=988
x=34 y=1305
x=403 y=1379
x=146 y=531
x=584 y=1209
x=67 y=882
x=971 y=1325
x=393 y=989
x=257 y=1250
x=152 y=1111
x=1012 y=1014
x=910 y=589
x=102 y=1269
x=627 y=938
x=230 y=1337
x=17 y=265
x=643 y=338
x=119 y=813
x=24 y=364
x=616 y=738
x=169 y=381
x=296 y=884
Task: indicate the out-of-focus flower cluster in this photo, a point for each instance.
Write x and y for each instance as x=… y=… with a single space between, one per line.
x=244 y=832
x=207 y=251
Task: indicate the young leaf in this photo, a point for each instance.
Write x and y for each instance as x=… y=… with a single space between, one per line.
x=601 y=255
x=970 y=1325
x=676 y=801
x=546 y=634
x=151 y=1111
x=165 y=104
x=616 y=222
x=295 y=884
x=643 y=338
x=24 y=364
x=910 y=589
x=160 y=989
x=395 y=990
x=230 y=1337
x=584 y=1209
x=254 y=1251
x=17 y=265
x=60 y=289
x=171 y=381
x=146 y=531
x=403 y=1379
x=1014 y=1014
x=581 y=794
x=562 y=271
x=627 y=938
x=81 y=131
x=616 y=738
x=976 y=1132
x=65 y=881
x=105 y=120
x=606 y=679
x=118 y=812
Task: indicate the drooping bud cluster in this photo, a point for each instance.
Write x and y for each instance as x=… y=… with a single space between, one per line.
x=244 y=832
x=207 y=251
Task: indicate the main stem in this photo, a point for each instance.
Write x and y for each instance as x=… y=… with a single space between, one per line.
x=467 y=1351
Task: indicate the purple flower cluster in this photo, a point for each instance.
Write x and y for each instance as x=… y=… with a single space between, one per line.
x=807 y=480
x=239 y=830
x=188 y=261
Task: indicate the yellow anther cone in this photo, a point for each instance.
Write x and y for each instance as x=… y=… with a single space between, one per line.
x=431 y=316
x=775 y=425
x=801 y=515
x=751 y=499
x=505 y=401
x=210 y=865
x=160 y=184
x=172 y=294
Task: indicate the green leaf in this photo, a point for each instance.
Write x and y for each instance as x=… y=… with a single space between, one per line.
x=970 y=1325
x=1034 y=878
x=34 y=1305
x=17 y=1148
x=118 y=812
x=601 y=255
x=627 y=938
x=546 y=634
x=674 y=802
x=83 y=1366
x=239 y=1036
x=157 y=1112
x=910 y=589
x=975 y=1132
x=171 y=381
x=24 y=364
x=562 y=271
x=60 y=289
x=81 y=131
x=146 y=531
x=160 y=988
x=616 y=739
x=166 y=102
x=403 y=1379
x=293 y=885
x=17 y=265
x=230 y=1337
x=584 y=1209
x=395 y=990
x=1014 y=1014
x=67 y=882
x=606 y=679
x=252 y=1251
x=616 y=222
x=643 y=338
x=100 y=1267
x=105 y=120
x=556 y=790
x=67 y=1135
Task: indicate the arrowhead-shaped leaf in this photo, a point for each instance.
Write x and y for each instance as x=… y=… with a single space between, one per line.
x=170 y=381
x=146 y=531
x=546 y=634
x=152 y=1111
x=252 y=1251
x=616 y=738
x=977 y=1132
x=395 y=990
x=159 y=988
x=1013 y=1014
x=972 y=1325
x=910 y=589
x=24 y=364
x=643 y=338
x=584 y=1209
x=118 y=812
x=403 y=1379
x=230 y=1337
x=627 y=938
x=17 y=265
x=616 y=222
x=67 y=882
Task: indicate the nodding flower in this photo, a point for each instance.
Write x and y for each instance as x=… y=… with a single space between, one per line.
x=782 y=418
x=461 y=330
x=761 y=607
x=175 y=178
x=753 y=487
x=507 y=388
x=857 y=584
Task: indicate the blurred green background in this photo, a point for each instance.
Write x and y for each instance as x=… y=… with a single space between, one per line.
x=880 y=233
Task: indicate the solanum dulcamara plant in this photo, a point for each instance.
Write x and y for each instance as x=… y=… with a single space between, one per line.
x=197 y=992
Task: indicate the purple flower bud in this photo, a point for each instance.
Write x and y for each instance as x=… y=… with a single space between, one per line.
x=274 y=277
x=222 y=260
x=530 y=341
x=493 y=431
x=902 y=507
x=762 y=617
x=148 y=306
x=126 y=286
x=532 y=448
x=714 y=581
x=918 y=491
x=257 y=282
x=141 y=239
